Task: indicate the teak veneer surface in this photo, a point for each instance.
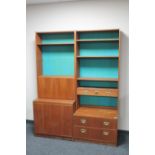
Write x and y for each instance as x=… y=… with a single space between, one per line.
x=97 y=91
x=53 y=117
x=56 y=101
x=56 y=88
x=96 y=112
x=96 y=79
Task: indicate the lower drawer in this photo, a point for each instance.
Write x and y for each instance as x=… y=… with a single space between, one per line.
x=94 y=134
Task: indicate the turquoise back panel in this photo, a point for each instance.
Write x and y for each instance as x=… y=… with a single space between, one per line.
x=98 y=101
x=58 y=60
x=99 y=35
x=99 y=68
x=98 y=49
x=98 y=84
x=57 y=38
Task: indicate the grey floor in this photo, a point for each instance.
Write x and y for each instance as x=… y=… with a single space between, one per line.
x=53 y=146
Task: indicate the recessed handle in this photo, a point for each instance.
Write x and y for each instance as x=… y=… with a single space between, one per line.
x=83 y=121
x=106 y=123
x=83 y=130
x=105 y=133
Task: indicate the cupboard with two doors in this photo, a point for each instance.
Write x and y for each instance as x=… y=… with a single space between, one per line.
x=78 y=85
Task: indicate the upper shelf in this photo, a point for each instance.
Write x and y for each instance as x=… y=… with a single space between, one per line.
x=97 y=79
x=97 y=40
x=54 y=44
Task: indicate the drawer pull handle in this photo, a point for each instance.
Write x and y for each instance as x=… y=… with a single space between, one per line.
x=83 y=130
x=106 y=123
x=83 y=121
x=105 y=133
x=96 y=92
x=85 y=92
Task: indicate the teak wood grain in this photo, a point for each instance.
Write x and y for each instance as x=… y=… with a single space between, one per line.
x=95 y=122
x=56 y=87
x=96 y=135
x=53 y=118
x=96 y=113
x=97 y=91
x=54 y=110
x=96 y=79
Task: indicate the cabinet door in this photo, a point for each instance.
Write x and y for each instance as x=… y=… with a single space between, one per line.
x=47 y=118
x=67 y=121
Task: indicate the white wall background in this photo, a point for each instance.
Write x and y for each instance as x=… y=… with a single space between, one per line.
x=103 y=14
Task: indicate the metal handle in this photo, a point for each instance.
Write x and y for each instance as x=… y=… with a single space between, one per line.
x=83 y=121
x=106 y=123
x=83 y=130
x=85 y=92
x=105 y=133
x=96 y=92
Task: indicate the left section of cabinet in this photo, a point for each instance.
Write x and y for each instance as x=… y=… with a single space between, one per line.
x=53 y=117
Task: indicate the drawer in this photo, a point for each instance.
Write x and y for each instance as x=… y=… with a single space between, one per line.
x=81 y=132
x=93 y=134
x=95 y=122
x=104 y=135
x=97 y=91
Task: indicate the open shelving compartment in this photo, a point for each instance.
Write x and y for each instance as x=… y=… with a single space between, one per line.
x=97 y=63
x=56 y=50
x=55 y=65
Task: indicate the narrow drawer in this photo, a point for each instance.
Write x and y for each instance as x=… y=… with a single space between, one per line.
x=97 y=91
x=93 y=134
x=95 y=122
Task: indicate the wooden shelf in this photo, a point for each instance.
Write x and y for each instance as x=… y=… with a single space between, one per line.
x=99 y=30
x=96 y=40
x=97 y=79
x=98 y=57
x=54 y=44
x=45 y=76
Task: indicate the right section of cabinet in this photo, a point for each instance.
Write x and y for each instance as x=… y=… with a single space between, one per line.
x=97 y=80
x=95 y=124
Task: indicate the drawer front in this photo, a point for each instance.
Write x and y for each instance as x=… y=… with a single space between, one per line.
x=97 y=91
x=109 y=136
x=82 y=121
x=93 y=134
x=95 y=122
x=81 y=133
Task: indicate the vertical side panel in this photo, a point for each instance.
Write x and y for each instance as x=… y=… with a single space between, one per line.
x=76 y=66
x=38 y=56
x=38 y=59
x=39 y=118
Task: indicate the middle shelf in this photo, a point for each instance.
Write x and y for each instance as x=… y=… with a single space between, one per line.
x=98 y=57
x=96 y=79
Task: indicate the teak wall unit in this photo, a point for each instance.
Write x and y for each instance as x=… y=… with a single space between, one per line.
x=78 y=84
